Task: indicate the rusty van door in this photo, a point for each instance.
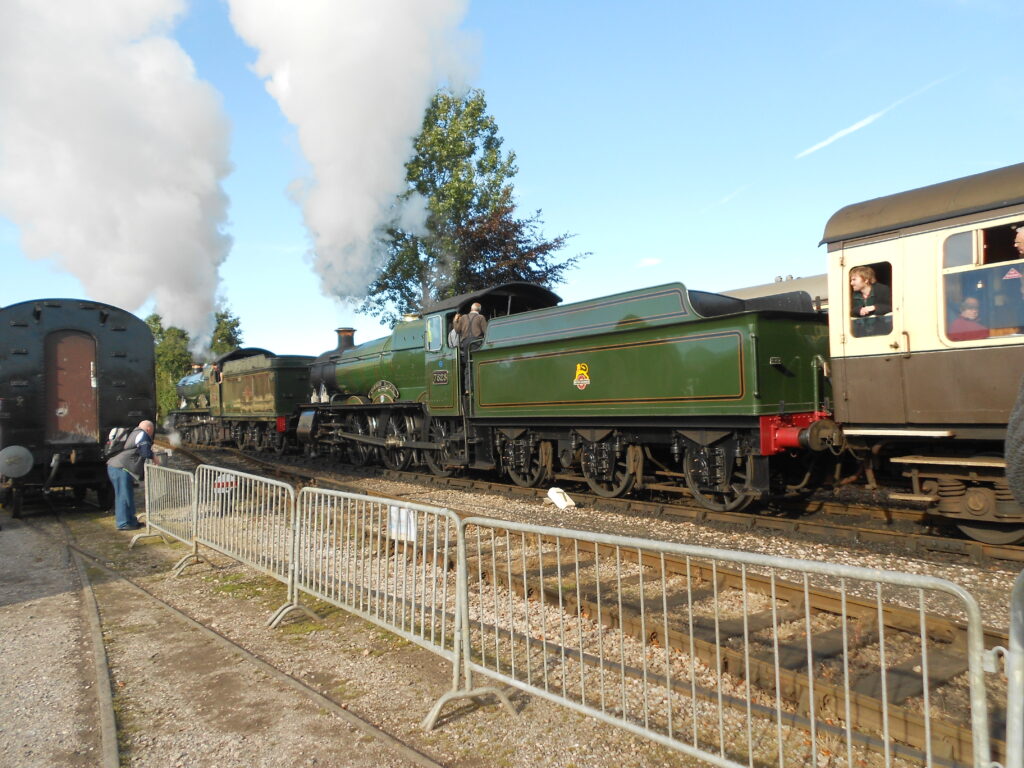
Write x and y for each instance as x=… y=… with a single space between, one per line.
x=71 y=396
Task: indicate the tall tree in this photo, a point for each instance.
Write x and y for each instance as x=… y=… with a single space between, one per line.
x=472 y=238
x=227 y=333
x=174 y=357
x=172 y=362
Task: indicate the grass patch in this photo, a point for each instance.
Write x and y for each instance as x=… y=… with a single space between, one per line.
x=247 y=587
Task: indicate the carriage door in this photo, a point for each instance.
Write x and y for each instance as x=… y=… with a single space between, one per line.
x=874 y=348
x=442 y=367
x=72 y=399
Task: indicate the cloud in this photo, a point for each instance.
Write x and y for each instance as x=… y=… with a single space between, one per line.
x=867 y=120
x=354 y=79
x=112 y=153
x=648 y=262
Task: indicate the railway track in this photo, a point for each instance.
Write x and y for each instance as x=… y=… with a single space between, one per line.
x=92 y=569
x=820 y=653
x=828 y=631
x=807 y=518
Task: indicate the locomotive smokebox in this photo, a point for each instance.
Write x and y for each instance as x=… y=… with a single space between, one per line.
x=321 y=372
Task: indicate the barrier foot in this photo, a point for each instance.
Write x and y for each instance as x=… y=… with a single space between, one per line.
x=475 y=694
x=278 y=616
x=138 y=536
x=181 y=564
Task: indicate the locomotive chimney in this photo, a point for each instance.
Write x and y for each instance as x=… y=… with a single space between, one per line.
x=346 y=338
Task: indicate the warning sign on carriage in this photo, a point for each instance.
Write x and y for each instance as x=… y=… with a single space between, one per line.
x=225 y=483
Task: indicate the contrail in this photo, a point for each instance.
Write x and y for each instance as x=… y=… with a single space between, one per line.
x=867 y=120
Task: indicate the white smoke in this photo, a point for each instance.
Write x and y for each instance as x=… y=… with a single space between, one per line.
x=355 y=79
x=112 y=153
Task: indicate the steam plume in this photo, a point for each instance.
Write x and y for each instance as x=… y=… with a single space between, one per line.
x=112 y=153
x=354 y=78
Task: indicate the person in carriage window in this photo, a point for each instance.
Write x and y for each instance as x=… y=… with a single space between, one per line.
x=871 y=307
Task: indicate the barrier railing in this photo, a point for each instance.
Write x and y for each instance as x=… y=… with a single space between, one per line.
x=707 y=651
x=394 y=565
x=246 y=517
x=170 y=495
x=1015 y=679
x=731 y=657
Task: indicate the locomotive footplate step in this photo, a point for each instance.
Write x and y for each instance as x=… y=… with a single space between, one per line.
x=905 y=680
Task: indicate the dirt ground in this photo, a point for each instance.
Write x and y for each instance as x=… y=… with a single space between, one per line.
x=183 y=698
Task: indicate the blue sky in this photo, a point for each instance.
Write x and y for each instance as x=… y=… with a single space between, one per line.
x=700 y=142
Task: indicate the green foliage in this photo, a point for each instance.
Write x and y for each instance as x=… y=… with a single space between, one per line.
x=227 y=333
x=473 y=238
x=174 y=358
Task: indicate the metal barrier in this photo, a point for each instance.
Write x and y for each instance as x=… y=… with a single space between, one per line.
x=170 y=496
x=707 y=651
x=735 y=658
x=1015 y=679
x=248 y=518
x=394 y=565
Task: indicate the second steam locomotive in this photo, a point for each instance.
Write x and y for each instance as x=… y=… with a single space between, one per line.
x=733 y=399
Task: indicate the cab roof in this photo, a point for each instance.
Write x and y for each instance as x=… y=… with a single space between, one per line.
x=512 y=297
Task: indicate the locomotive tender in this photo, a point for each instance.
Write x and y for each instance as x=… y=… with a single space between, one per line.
x=735 y=399
x=70 y=370
x=246 y=396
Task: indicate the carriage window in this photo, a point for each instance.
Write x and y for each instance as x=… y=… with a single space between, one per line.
x=958 y=250
x=871 y=299
x=432 y=335
x=984 y=296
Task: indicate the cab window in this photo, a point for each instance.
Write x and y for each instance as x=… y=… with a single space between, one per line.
x=870 y=299
x=433 y=334
x=983 y=285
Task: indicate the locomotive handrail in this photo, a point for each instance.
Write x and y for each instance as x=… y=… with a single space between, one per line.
x=754 y=363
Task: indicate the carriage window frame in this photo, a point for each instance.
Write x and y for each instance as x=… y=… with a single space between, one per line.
x=986 y=277
x=876 y=327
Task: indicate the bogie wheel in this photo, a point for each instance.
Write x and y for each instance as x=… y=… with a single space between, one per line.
x=278 y=443
x=538 y=468
x=993 y=533
x=609 y=475
x=699 y=469
x=439 y=462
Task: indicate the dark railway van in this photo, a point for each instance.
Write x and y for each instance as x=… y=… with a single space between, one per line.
x=70 y=370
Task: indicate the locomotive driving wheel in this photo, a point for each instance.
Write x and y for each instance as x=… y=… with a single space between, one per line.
x=714 y=479
x=534 y=468
x=360 y=454
x=609 y=473
x=439 y=461
x=398 y=427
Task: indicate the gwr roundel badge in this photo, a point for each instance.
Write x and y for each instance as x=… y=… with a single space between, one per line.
x=582 y=380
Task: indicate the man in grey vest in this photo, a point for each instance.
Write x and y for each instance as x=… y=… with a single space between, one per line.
x=124 y=469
